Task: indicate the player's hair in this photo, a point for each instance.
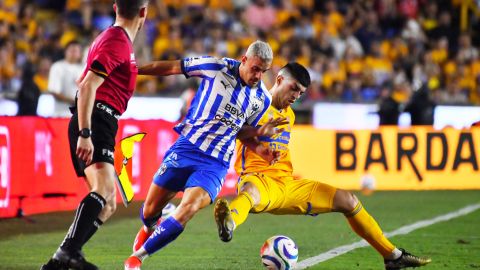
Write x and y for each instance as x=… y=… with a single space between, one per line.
x=297 y=72
x=260 y=49
x=128 y=9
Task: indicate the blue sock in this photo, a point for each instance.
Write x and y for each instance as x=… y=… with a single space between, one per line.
x=165 y=233
x=149 y=222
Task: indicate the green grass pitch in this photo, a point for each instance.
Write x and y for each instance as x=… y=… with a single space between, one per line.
x=453 y=244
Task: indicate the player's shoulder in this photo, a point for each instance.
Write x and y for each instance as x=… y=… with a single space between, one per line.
x=230 y=63
x=113 y=38
x=207 y=61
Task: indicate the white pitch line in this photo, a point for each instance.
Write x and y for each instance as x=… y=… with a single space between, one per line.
x=400 y=231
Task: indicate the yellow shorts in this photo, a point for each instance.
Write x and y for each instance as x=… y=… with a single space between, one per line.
x=290 y=196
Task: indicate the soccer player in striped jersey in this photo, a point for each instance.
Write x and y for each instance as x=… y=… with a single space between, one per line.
x=265 y=188
x=230 y=95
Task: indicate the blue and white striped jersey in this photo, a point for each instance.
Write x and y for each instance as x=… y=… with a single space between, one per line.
x=221 y=105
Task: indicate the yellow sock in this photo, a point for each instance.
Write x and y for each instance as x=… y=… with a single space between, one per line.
x=240 y=207
x=366 y=227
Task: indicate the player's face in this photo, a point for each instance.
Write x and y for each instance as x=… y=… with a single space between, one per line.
x=252 y=69
x=289 y=90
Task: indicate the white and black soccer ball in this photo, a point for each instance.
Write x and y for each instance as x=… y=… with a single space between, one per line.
x=279 y=252
x=168 y=210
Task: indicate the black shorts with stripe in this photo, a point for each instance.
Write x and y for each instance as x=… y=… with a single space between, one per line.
x=104 y=129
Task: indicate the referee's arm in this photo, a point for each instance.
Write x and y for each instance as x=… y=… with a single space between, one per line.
x=161 y=68
x=86 y=98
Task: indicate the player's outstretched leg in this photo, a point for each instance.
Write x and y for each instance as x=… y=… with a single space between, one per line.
x=224 y=220
x=366 y=226
x=406 y=260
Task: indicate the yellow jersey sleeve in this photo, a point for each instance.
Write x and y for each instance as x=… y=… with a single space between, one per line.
x=248 y=161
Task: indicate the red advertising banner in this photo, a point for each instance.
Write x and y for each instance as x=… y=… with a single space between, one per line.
x=36 y=174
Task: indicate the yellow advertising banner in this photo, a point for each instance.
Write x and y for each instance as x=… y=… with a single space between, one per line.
x=389 y=158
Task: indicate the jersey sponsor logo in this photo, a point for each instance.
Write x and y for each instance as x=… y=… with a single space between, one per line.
x=231 y=109
x=227 y=122
x=4 y=167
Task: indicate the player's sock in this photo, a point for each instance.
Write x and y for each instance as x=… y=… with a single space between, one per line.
x=165 y=233
x=396 y=253
x=87 y=212
x=150 y=223
x=366 y=227
x=93 y=229
x=240 y=207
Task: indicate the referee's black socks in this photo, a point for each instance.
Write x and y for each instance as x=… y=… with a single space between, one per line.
x=85 y=223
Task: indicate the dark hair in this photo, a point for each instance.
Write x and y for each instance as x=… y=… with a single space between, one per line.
x=73 y=42
x=299 y=73
x=128 y=9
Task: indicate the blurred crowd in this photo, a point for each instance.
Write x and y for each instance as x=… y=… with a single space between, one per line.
x=363 y=51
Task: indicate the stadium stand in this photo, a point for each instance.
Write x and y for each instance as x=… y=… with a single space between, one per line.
x=355 y=50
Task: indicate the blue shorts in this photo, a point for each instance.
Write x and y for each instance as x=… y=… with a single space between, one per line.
x=186 y=166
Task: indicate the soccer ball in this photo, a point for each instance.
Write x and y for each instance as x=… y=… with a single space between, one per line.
x=367 y=184
x=168 y=210
x=279 y=253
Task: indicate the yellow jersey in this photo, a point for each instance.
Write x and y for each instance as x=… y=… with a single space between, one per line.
x=248 y=161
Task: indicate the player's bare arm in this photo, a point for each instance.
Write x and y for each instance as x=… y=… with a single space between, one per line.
x=268 y=154
x=86 y=98
x=161 y=68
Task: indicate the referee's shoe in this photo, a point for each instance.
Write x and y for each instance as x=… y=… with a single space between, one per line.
x=64 y=260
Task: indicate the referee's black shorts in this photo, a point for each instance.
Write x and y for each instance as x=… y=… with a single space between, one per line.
x=104 y=128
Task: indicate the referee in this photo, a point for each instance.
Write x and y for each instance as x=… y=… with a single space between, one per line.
x=106 y=85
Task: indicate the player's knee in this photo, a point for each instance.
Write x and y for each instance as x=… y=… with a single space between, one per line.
x=352 y=201
x=108 y=210
x=344 y=201
x=190 y=208
x=252 y=191
x=186 y=211
x=105 y=190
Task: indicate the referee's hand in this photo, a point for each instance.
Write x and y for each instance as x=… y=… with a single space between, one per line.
x=85 y=149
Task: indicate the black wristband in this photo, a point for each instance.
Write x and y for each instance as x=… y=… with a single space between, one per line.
x=85 y=133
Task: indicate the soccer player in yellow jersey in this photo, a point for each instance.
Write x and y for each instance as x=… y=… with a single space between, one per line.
x=266 y=183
